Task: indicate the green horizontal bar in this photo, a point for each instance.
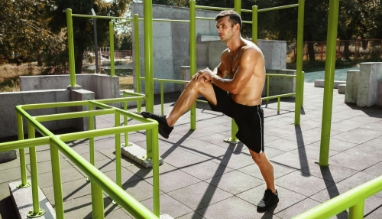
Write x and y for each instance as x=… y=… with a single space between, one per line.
x=133 y=93
x=26 y=143
x=38 y=126
x=118 y=100
x=277 y=96
x=106 y=131
x=212 y=8
x=54 y=105
x=344 y=201
x=73 y=115
x=281 y=75
x=277 y=8
x=171 y=81
x=120 y=196
x=100 y=17
x=169 y=20
x=204 y=18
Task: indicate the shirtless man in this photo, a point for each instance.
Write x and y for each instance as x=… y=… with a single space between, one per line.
x=234 y=88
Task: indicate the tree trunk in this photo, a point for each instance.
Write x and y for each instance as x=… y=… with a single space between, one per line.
x=346 y=50
x=311 y=53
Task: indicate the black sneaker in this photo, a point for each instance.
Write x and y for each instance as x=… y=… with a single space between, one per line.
x=269 y=200
x=163 y=128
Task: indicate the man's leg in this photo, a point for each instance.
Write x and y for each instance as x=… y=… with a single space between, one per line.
x=270 y=196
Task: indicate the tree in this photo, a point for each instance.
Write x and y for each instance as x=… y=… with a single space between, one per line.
x=82 y=27
x=24 y=28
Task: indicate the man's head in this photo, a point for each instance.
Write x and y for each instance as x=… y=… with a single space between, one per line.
x=234 y=17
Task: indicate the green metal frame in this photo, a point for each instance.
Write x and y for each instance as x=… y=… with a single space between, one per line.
x=99 y=181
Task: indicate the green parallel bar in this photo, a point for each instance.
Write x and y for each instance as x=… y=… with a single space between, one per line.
x=357 y=211
x=161 y=97
x=205 y=18
x=72 y=70
x=34 y=175
x=279 y=7
x=23 y=170
x=118 y=165
x=111 y=39
x=73 y=115
x=57 y=183
x=155 y=160
x=123 y=199
x=192 y=57
x=91 y=139
x=300 y=48
x=54 y=105
x=329 y=82
x=26 y=143
x=254 y=24
x=344 y=201
x=137 y=60
x=125 y=122
x=97 y=201
x=211 y=8
x=100 y=17
x=169 y=20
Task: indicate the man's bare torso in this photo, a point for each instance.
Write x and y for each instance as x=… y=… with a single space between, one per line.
x=250 y=94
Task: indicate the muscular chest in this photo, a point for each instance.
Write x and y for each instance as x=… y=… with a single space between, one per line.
x=232 y=64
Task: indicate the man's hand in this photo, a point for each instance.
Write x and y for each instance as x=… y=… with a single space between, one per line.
x=205 y=74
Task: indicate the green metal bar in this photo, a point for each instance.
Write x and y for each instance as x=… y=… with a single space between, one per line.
x=205 y=18
x=111 y=38
x=162 y=97
x=118 y=164
x=169 y=20
x=300 y=48
x=357 y=210
x=329 y=82
x=123 y=199
x=278 y=105
x=72 y=70
x=192 y=57
x=137 y=60
x=54 y=105
x=57 y=184
x=100 y=17
x=279 y=7
x=23 y=170
x=97 y=201
x=149 y=55
x=255 y=24
x=36 y=212
x=73 y=115
x=344 y=201
x=125 y=122
x=211 y=8
x=156 y=181
x=237 y=6
x=26 y=143
x=91 y=139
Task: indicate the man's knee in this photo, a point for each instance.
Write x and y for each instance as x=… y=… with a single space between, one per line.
x=258 y=158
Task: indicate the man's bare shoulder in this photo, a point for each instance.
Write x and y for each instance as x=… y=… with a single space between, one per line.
x=251 y=47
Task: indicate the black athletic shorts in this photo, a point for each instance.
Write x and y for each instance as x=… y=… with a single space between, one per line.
x=249 y=119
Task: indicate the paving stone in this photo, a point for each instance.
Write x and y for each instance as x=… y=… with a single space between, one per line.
x=199 y=195
x=46 y=179
x=298 y=208
x=169 y=206
x=184 y=159
x=375 y=170
x=175 y=180
x=253 y=170
x=235 y=161
x=336 y=145
x=206 y=170
x=353 y=138
x=332 y=172
x=290 y=160
x=353 y=160
x=283 y=145
x=312 y=153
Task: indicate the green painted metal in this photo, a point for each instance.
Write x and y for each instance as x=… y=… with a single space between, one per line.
x=300 y=49
x=212 y=8
x=279 y=7
x=330 y=65
x=149 y=54
x=354 y=197
x=169 y=20
x=91 y=139
x=255 y=24
x=137 y=60
x=357 y=211
x=23 y=167
x=118 y=163
x=57 y=183
x=100 y=17
x=155 y=160
x=37 y=211
x=72 y=70
x=98 y=210
x=111 y=40
x=193 y=56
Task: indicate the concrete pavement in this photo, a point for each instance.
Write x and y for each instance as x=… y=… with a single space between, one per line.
x=204 y=177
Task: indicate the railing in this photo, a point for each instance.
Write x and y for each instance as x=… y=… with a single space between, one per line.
x=99 y=181
x=354 y=200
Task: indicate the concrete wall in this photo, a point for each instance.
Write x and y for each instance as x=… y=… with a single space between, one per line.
x=362 y=85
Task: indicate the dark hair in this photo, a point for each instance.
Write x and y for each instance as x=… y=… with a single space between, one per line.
x=234 y=17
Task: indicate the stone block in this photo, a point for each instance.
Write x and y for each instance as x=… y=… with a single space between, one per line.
x=78 y=95
x=351 y=90
x=341 y=88
x=7 y=156
x=379 y=93
x=370 y=73
x=321 y=83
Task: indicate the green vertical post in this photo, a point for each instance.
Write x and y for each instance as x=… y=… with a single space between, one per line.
x=57 y=184
x=254 y=23
x=72 y=70
x=97 y=201
x=111 y=36
x=330 y=65
x=137 y=60
x=156 y=181
x=34 y=175
x=23 y=170
x=91 y=139
x=193 y=56
x=118 y=165
x=125 y=122
x=237 y=6
x=357 y=211
x=300 y=36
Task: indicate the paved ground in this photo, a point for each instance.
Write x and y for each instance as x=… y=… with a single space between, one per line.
x=203 y=177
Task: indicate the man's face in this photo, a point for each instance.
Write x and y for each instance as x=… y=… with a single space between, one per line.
x=224 y=28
